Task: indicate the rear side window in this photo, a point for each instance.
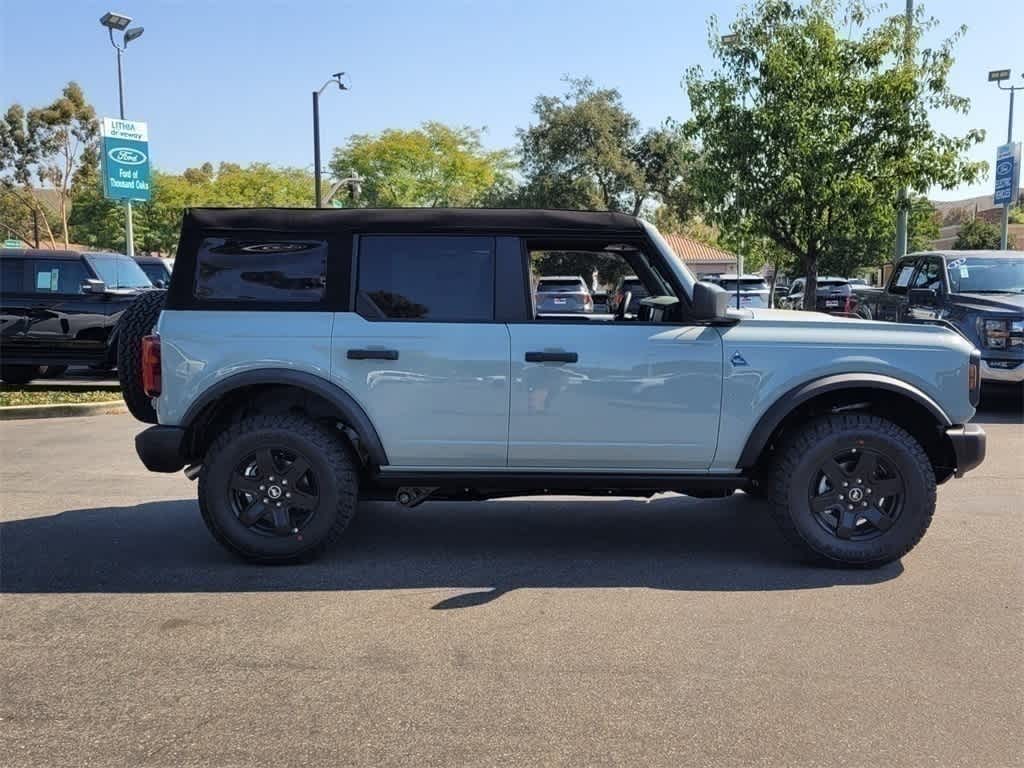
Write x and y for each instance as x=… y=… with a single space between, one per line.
x=285 y=271
x=53 y=276
x=12 y=275
x=431 y=278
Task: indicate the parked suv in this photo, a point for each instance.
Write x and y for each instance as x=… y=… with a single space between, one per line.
x=978 y=294
x=561 y=294
x=61 y=308
x=307 y=359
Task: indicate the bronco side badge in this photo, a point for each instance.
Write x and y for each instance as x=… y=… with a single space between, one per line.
x=738 y=360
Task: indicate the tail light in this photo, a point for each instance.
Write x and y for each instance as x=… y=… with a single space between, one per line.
x=851 y=304
x=588 y=300
x=151 y=373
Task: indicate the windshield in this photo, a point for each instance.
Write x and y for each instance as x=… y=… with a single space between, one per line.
x=671 y=257
x=118 y=271
x=744 y=285
x=978 y=274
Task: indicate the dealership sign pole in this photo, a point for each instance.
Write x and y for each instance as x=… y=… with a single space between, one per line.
x=1007 y=161
x=125 y=160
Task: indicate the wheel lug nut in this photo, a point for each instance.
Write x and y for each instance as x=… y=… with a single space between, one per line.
x=845 y=483
x=288 y=495
x=851 y=506
x=284 y=482
x=859 y=481
x=863 y=503
x=263 y=487
x=841 y=497
x=271 y=478
x=279 y=503
x=266 y=501
x=869 y=490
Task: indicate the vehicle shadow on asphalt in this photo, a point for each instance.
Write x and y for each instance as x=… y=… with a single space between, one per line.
x=670 y=542
x=1003 y=405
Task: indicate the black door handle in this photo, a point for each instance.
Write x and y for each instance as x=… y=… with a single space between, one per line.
x=373 y=354
x=552 y=357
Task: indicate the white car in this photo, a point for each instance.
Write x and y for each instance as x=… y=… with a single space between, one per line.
x=753 y=289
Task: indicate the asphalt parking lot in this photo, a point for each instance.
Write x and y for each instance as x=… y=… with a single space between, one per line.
x=542 y=631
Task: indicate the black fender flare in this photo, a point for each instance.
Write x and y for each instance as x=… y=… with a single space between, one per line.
x=348 y=409
x=781 y=408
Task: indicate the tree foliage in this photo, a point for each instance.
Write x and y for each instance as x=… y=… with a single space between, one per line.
x=586 y=150
x=980 y=235
x=42 y=149
x=434 y=166
x=100 y=223
x=810 y=132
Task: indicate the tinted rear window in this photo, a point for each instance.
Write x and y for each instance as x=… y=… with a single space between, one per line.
x=560 y=285
x=285 y=271
x=429 y=277
x=12 y=275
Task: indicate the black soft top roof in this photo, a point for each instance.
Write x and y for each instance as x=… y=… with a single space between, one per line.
x=410 y=219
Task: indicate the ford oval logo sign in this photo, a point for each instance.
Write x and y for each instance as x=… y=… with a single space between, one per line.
x=127 y=156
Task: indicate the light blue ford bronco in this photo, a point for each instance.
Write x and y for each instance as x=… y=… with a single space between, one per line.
x=302 y=360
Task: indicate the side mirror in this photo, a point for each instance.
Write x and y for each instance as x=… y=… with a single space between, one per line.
x=922 y=295
x=710 y=301
x=89 y=285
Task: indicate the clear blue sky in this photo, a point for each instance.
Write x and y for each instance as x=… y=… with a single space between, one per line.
x=231 y=80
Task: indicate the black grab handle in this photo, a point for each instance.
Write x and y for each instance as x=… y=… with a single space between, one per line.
x=373 y=354
x=552 y=357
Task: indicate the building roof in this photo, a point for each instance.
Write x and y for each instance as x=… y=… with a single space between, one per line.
x=413 y=219
x=694 y=251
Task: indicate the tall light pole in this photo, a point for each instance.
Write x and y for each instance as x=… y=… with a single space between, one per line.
x=997 y=77
x=335 y=78
x=119 y=22
x=903 y=204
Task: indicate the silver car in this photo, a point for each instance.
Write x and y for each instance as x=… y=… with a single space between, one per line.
x=562 y=294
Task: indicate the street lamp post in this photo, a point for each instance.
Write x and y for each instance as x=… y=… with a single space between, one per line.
x=997 y=77
x=335 y=78
x=903 y=204
x=119 y=22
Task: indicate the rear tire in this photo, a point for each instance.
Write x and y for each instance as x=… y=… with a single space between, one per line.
x=278 y=488
x=135 y=322
x=852 y=490
x=18 y=375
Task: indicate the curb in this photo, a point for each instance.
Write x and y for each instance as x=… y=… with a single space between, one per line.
x=13 y=412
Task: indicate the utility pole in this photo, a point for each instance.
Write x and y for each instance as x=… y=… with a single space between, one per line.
x=903 y=203
x=998 y=76
x=335 y=78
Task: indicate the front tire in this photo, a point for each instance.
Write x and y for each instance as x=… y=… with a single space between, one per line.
x=852 y=490
x=278 y=488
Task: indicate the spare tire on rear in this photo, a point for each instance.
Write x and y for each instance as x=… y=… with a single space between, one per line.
x=135 y=322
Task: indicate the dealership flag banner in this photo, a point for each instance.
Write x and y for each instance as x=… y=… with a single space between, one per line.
x=125 y=159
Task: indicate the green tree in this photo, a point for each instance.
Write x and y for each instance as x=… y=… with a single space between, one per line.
x=812 y=123
x=922 y=225
x=434 y=166
x=980 y=235
x=94 y=220
x=586 y=150
x=42 y=149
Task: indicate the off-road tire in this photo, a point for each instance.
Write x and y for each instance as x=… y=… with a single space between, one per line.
x=330 y=460
x=135 y=322
x=799 y=457
x=18 y=375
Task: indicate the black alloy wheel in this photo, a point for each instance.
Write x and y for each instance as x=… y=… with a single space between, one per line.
x=857 y=494
x=274 y=491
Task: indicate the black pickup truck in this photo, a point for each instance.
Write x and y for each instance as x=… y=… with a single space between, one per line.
x=60 y=308
x=978 y=294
